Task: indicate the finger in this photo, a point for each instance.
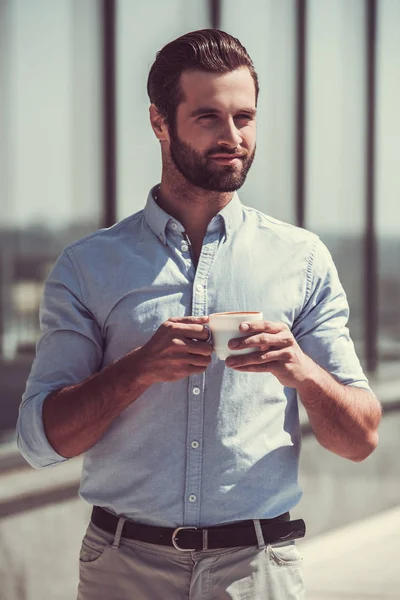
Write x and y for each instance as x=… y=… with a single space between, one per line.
x=194 y=347
x=276 y=356
x=185 y=346
x=198 y=360
x=183 y=360
x=259 y=358
x=267 y=326
x=263 y=340
x=190 y=319
x=244 y=360
x=191 y=331
x=263 y=368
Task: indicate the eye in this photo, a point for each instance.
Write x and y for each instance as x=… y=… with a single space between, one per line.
x=244 y=117
x=207 y=117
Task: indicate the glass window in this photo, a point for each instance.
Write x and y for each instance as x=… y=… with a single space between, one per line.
x=388 y=178
x=142 y=29
x=335 y=141
x=267 y=29
x=50 y=157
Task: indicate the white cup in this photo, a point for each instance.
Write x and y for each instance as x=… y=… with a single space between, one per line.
x=225 y=326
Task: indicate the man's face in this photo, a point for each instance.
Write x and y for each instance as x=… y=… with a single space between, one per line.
x=214 y=138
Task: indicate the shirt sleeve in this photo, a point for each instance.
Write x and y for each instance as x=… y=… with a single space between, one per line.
x=321 y=327
x=69 y=350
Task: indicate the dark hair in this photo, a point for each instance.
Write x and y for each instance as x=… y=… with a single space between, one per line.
x=206 y=50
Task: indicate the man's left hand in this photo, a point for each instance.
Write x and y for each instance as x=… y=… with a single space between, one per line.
x=276 y=352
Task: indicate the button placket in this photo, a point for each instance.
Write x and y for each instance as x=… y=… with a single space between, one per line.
x=194 y=454
x=195 y=393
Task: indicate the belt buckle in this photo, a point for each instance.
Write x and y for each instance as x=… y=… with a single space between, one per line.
x=174 y=542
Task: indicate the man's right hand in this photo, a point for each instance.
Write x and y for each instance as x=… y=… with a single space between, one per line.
x=176 y=350
x=76 y=417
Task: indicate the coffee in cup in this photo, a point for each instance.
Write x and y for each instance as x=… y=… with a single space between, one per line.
x=225 y=326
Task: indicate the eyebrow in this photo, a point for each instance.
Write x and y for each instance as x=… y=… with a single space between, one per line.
x=208 y=110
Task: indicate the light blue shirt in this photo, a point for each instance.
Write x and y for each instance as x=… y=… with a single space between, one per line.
x=211 y=448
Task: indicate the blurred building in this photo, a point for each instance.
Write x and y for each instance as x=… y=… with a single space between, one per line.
x=77 y=151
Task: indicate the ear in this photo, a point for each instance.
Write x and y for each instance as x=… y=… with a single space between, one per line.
x=158 y=124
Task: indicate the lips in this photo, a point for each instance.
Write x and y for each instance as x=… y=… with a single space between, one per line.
x=227 y=159
x=227 y=156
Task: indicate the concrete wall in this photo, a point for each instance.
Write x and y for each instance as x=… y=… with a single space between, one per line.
x=42 y=522
x=39 y=552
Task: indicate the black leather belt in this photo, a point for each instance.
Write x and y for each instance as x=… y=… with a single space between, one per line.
x=279 y=529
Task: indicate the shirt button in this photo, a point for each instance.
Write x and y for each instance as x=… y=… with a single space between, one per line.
x=161 y=237
x=196 y=391
x=192 y=498
x=199 y=287
x=195 y=444
x=184 y=247
x=174 y=225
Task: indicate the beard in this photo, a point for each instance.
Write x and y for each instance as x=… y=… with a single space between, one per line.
x=200 y=170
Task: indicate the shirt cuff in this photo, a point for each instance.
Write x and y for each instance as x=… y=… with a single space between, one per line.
x=31 y=438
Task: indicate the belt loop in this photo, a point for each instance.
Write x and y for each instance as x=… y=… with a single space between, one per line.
x=205 y=539
x=259 y=534
x=118 y=533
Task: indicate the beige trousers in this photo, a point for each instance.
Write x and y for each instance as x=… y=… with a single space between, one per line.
x=115 y=568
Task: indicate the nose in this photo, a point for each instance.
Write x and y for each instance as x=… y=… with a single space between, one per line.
x=229 y=135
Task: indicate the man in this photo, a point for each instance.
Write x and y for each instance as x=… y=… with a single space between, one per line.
x=191 y=462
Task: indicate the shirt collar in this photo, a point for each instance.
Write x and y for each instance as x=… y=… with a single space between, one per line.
x=232 y=215
x=156 y=218
x=159 y=221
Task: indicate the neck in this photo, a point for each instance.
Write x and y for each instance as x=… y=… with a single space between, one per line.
x=190 y=205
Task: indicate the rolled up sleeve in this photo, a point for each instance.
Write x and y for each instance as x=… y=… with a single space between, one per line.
x=321 y=327
x=69 y=351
